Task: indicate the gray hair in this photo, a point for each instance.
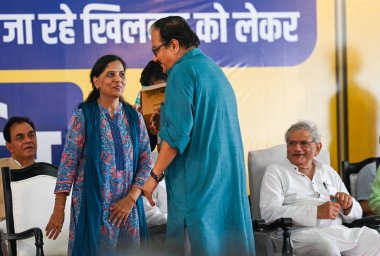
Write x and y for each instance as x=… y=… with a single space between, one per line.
x=304 y=125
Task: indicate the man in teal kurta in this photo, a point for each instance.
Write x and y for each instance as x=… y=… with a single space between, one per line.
x=202 y=148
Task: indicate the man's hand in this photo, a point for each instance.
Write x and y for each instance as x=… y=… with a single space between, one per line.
x=328 y=210
x=345 y=202
x=155 y=121
x=148 y=188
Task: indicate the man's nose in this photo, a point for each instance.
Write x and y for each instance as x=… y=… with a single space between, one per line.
x=27 y=140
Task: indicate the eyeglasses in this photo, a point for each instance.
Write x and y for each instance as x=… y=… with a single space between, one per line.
x=155 y=50
x=304 y=144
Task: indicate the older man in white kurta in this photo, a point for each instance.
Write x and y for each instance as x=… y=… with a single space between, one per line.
x=314 y=196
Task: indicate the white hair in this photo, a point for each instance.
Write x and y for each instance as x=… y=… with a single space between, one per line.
x=304 y=125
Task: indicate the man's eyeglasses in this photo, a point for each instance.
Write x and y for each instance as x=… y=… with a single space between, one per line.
x=303 y=143
x=155 y=50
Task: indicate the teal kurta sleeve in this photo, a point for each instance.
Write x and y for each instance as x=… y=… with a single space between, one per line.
x=177 y=113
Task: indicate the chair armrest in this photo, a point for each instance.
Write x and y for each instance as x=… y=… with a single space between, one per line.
x=258 y=225
x=284 y=223
x=36 y=232
x=370 y=221
x=22 y=235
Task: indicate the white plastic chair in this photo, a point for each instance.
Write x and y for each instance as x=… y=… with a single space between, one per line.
x=258 y=161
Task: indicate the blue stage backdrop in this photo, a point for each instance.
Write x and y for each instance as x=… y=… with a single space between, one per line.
x=72 y=34
x=36 y=101
x=66 y=35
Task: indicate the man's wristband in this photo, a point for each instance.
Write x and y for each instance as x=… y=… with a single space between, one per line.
x=156 y=177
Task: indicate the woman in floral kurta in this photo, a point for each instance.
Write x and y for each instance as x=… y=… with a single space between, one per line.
x=119 y=191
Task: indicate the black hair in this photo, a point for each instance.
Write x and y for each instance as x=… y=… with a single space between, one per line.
x=15 y=120
x=151 y=73
x=176 y=27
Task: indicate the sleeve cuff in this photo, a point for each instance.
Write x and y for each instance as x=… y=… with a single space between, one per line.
x=175 y=140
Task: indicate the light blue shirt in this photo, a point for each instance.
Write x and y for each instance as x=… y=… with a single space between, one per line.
x=364 y=181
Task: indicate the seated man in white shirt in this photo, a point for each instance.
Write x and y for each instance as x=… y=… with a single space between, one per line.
x=20 y=137
x=314 y=196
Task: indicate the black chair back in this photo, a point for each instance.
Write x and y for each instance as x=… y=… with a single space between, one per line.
x=354 y=168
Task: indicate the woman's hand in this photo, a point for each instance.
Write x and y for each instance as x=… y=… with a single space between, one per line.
x=55 y=224
x=121 y=210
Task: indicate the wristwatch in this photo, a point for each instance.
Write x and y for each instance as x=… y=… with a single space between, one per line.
x=156 y=177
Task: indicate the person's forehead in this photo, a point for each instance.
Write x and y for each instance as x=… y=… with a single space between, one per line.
x=155 y=35
x=23 y=127
x=114 y=66
x=300 y=133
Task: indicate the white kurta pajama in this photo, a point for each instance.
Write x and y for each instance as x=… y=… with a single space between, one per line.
x=286 y=192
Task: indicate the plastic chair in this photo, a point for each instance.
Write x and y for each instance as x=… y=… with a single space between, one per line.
x=258 y=160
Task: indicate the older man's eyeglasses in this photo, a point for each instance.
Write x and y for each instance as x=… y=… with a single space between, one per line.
x=304 y=144
x=156 y=49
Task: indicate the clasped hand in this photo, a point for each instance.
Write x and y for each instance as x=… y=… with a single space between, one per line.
x=119 y=211
x=344 y=200
x=331 y=209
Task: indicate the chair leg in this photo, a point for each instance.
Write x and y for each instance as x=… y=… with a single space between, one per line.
x=2 y=244
x=39 y=242
x=287 y=249
x=12 y=247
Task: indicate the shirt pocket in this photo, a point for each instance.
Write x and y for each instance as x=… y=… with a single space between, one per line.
x=330 y=188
